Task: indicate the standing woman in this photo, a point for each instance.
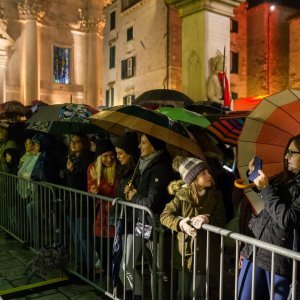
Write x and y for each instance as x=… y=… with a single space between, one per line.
x=79 y=210
x=156 y=173
x=102 y=180
x=278 y=223
x=196 y=202
x=128 y=155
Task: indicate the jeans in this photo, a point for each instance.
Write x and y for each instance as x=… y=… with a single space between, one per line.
x=262 y=284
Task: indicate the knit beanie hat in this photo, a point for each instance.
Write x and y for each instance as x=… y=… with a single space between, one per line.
x=104 y=146
x=156 y=143
x=128 y=142
x=189 y=168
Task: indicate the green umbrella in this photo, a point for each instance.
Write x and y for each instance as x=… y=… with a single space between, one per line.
x=184 y=116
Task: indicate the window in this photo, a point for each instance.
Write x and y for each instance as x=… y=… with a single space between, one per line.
x=112 y=57
x=112 y=20
x=129 y=34
x=109 y=97
x=61 y=65
x=128 y=67
x=234 y=62
x=234 y=26
x=128 y=3
x=128 y=100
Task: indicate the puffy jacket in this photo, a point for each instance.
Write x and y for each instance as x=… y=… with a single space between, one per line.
x=182 y=206
x=152 y=186
x=275 y=224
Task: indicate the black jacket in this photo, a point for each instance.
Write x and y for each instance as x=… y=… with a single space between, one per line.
x=275 y=224
x=152 y=186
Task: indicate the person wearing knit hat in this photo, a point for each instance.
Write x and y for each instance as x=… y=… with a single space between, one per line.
x=102 y=176
x=156 y=143
x=196 y=202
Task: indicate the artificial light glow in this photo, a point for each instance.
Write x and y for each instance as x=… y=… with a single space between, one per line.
x=272 y=7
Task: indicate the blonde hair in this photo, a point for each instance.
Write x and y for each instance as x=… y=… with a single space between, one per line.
x=109 y=173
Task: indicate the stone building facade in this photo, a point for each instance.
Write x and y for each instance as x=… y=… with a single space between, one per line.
x=141 y=49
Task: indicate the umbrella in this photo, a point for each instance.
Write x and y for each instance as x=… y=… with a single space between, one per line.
x=63 y=118
x=247 y=103
x=117 y=251
x=266 y=133
x=227 y=127
x=163 y=97
x=120 y=118
x=184 y=116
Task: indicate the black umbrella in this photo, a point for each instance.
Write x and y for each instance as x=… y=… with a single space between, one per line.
x=163 y=97
x=117 y=251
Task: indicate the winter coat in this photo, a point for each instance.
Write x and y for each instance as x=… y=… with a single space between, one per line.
x=77 y=179
x=104 y=222
x=152 y=186
x=182 y=206
x=275 y=224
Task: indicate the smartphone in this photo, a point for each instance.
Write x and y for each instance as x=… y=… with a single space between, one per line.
x=257 y=166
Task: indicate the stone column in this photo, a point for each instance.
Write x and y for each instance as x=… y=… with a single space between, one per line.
x=92 y=30
x=205 y=29
x=31 y=13
x=5 y=43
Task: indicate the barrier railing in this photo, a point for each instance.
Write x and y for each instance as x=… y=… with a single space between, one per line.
x=84 y=224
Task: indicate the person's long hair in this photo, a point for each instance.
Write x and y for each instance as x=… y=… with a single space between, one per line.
x=109 y=173
x=85 y=142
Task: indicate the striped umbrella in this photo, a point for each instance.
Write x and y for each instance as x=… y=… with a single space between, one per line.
x=266 y=133
x=120 y=118
x=227 y=128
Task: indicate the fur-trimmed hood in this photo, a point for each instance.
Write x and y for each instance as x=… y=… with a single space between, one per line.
x=180 y=189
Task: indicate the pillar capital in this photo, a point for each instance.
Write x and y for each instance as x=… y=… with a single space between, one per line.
x=5 y=39
x=32 y=9
x=88 y=24
x=188 y=7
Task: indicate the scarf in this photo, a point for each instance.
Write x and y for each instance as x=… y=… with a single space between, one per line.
x=146 y=161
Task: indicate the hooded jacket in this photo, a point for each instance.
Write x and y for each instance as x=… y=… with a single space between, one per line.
x=184 y=205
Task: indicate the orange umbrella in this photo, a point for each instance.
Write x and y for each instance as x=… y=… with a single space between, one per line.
x=247 y=103
x=266 y=133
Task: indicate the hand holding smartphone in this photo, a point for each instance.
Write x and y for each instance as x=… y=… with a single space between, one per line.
x=257 y=166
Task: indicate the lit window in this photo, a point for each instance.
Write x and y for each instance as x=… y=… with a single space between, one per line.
x=109 y=97
x=128 y=67
x=128 y=100
x=61 y=65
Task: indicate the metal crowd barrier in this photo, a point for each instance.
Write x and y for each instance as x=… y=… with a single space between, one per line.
x=41 y=214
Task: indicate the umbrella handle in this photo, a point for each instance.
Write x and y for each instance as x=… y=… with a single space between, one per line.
x=239 y=184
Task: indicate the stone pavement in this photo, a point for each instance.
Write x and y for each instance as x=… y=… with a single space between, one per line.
x=13 y=262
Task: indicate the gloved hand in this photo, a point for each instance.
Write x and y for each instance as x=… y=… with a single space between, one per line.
x=199 y=220
x=187 y=228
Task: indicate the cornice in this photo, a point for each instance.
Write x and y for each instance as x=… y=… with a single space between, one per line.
x=134 y=7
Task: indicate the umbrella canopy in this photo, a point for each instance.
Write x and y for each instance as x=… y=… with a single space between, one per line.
x=227 y=128
x=163 y=97
x=120 y=118
x=184 y=116
x=266 y=133
x=63 y=118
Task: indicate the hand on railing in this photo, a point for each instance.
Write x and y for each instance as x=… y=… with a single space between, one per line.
x=199 y=220
x=187 y=228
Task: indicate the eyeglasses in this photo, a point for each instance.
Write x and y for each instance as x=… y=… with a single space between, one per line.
x=291 y=153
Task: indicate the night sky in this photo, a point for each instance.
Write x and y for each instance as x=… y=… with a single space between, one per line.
x=289 y=3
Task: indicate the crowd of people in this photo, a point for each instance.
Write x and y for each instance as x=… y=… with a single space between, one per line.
x=183 y=193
